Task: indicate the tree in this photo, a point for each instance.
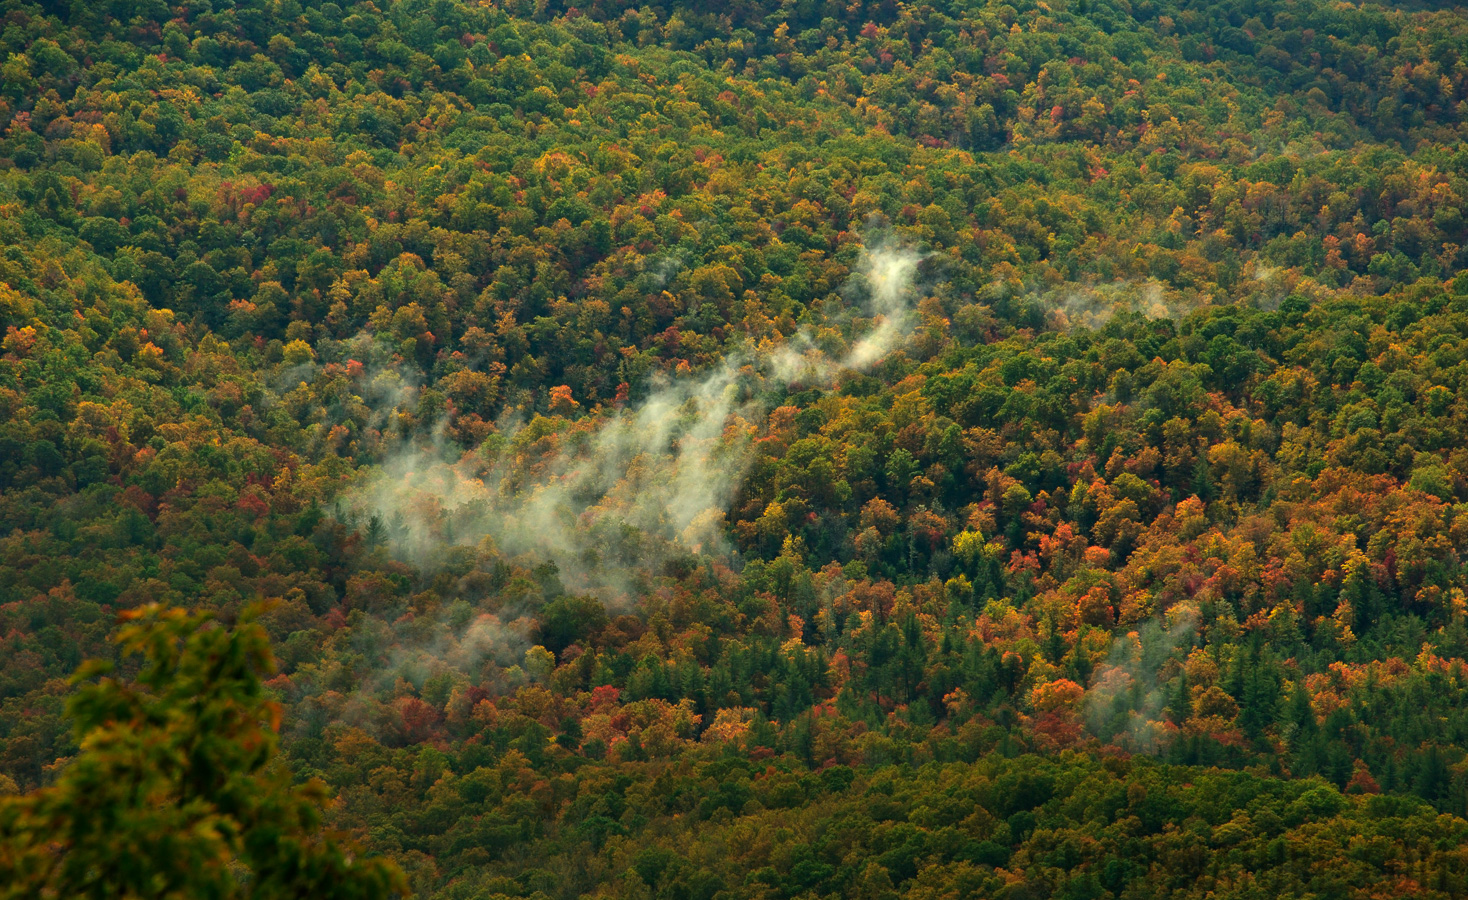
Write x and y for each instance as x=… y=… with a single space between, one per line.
x=173 y=793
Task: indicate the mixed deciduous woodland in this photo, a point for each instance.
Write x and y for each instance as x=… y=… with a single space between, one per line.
x=772 y=449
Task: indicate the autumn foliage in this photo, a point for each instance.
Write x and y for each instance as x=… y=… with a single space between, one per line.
x=1134 y=569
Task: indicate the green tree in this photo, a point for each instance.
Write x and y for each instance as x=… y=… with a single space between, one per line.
x=173 y=793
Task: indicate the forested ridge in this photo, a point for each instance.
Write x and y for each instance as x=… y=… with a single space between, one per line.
x=770 y=449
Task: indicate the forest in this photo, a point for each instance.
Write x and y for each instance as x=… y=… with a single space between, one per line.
x=697 y=451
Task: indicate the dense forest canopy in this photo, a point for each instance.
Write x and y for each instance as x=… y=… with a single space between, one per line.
x=947 y=448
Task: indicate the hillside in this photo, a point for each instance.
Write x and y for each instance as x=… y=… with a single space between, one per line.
x=946 y=448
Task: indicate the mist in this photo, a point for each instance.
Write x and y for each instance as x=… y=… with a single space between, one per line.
x=608 y=499
x=1127 y=694
x=889 y=272
x=593 y=500
x=883 y=283
x=1092 y=306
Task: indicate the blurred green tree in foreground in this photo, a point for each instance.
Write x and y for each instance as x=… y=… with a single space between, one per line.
x=173 y=793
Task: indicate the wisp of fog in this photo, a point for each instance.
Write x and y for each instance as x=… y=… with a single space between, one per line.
x=606 y=498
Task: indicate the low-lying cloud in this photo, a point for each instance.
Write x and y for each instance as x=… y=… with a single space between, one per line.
x=606 y=499
x=885 y=275
x=1127 y=694
x=1075 y=306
